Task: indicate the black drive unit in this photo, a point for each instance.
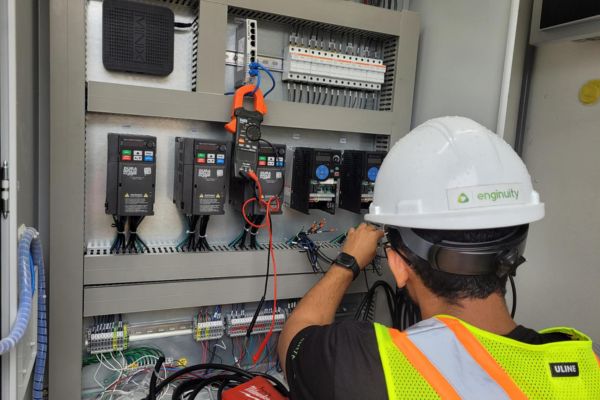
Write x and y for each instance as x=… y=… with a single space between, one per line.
x=201 y=176
x=270 y=170
x=315 y=177
x=357 y=181
x=137 y=37
x=131 y=175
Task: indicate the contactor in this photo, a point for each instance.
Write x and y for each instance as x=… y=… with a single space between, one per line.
x=357 y=181
x=131 y=175
x=201 y=176
x=315 y=177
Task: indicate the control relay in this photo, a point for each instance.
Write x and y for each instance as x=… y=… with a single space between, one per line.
x=315 y=177
x=357 y=181
x=270 y=170
x=201 y=176
x=131 y=175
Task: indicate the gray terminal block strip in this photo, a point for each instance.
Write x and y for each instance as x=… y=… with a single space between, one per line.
x=201 y=176
x=131 y=175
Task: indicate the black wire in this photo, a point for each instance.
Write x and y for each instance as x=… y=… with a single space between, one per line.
x=514 y=296
x=264 y=295
x=202 y=243
x=119 y=243
x=183 y=24
x=235 y=375
x=134 y=238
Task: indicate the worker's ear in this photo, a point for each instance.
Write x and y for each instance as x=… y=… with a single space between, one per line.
x=398 y=266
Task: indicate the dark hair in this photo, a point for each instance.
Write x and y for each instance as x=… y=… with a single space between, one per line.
x=453 y=287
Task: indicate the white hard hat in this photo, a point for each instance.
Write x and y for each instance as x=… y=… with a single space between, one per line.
x=452 y=173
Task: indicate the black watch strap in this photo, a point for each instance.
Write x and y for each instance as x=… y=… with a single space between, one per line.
x=347 y=261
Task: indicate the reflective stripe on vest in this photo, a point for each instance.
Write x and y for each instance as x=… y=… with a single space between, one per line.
x=440 y=345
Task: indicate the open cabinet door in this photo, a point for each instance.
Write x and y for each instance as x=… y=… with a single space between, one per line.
x=23 y=105
x=8 y=227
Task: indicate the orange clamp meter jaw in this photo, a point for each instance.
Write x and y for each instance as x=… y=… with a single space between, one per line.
x=238 y=104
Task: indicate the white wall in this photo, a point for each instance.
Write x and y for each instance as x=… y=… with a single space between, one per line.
x=461 y=59
x=561 y=282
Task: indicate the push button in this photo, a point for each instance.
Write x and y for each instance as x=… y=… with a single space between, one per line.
x=137 y=152
x=126 y=152
x=201 y=160
x=126 y=157
x=262 y=163
x=137 y=158
x=148 y=158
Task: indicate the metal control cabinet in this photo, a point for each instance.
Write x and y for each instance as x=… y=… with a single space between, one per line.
x=85 y=285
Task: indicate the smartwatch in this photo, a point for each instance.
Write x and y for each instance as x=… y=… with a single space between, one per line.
x=347 y=261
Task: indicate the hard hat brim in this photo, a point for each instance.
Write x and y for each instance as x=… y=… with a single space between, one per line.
x=483 y=218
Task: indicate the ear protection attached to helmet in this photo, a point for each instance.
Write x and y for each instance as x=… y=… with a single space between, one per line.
x=501 y=256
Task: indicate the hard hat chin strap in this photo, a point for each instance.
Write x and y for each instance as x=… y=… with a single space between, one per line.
x=500 y=257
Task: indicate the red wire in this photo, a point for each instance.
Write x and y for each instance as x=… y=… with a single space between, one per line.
x=268 y=205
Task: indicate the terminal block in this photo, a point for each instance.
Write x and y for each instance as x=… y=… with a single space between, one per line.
x=238 y=326
x=208 y=330
x=357 y=181
x=315 y=177
x=107 y=337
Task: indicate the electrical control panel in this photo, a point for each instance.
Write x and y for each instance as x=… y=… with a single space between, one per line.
x=201 y=176
x=319 y=67
x=131 y=175
x=357 y=181
x=315 y=177
x=270 y=170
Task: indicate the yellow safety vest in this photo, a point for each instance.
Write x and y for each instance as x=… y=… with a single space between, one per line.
x=446 y=358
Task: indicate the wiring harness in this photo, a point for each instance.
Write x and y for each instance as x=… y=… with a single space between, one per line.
x=195 y=234
x=219 y=376
x=403 y=311
x=131 y=244
x=314 y=253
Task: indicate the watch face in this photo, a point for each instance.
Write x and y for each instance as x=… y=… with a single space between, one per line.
x=345 y=259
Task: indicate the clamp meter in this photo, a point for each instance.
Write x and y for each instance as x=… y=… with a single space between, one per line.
x=245 y=125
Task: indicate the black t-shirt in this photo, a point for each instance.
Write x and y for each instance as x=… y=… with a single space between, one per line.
x=341 y=361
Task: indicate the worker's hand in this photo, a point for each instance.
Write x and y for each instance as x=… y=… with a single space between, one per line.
x=361 y=243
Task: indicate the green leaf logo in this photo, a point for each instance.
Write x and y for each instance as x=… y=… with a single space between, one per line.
x=463 y=198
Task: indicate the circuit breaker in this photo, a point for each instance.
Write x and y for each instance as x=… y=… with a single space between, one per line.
x=201 y=176
x=357 y=181
x=131 y=175
x=270 y=170
x=315 y=177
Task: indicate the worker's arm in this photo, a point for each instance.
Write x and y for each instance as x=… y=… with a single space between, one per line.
x=319 y=305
